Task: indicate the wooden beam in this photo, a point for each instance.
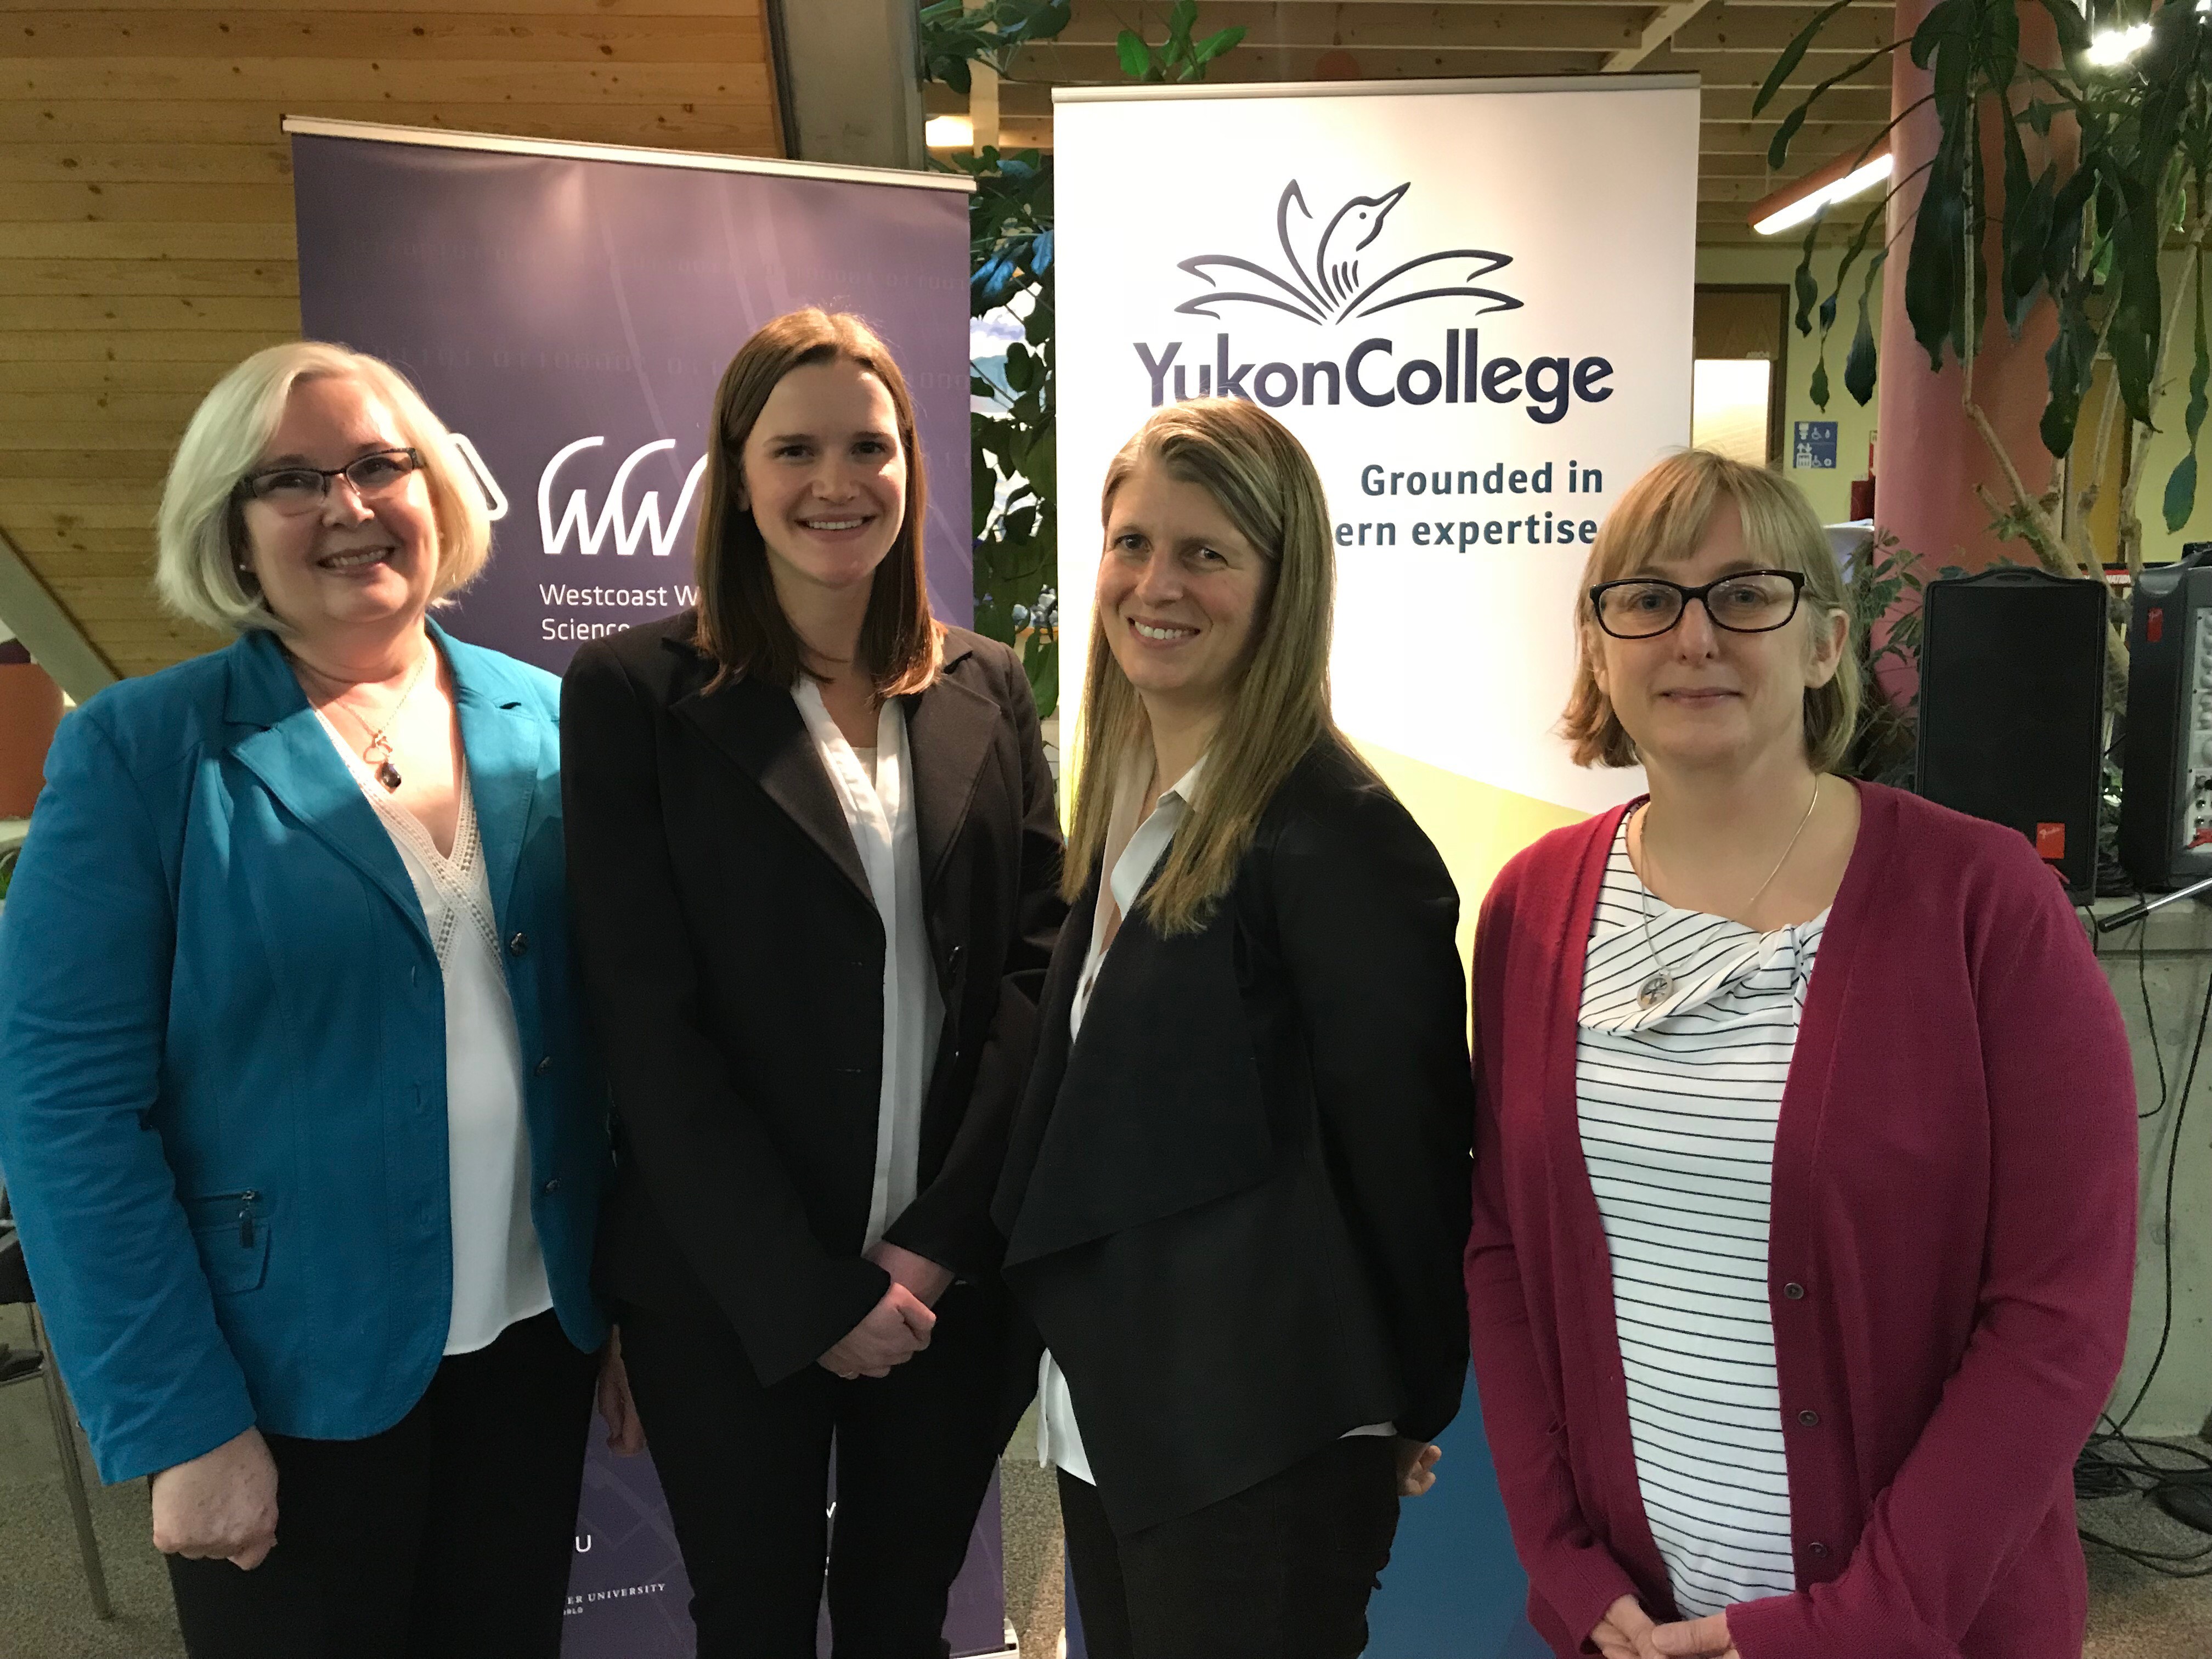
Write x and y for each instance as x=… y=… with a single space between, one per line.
x=48 y=632
x=1656 y=34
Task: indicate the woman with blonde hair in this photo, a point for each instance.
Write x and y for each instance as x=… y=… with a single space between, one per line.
x=305 y=1147
x=816 y=867
x=1805 y=1203
x=1237 y=1191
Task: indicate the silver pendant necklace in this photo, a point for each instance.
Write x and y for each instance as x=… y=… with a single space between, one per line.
x=377 y=755
x=1659 y=984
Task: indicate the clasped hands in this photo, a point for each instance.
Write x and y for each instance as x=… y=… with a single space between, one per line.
x=897 y=1328
x=1627 y=1632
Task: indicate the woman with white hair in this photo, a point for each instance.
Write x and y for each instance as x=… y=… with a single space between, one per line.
x=296 y=1117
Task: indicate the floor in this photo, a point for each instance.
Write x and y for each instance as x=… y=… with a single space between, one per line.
x=45 y=1612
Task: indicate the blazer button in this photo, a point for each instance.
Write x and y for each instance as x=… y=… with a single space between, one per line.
x=1810 y=1420
x=544 y=1065
x=518 y=945
x=553 y=1186
x=1818 y=1552
x=952 y=958
x=1795 y=1292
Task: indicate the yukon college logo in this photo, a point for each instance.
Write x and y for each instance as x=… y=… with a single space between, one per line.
x=1323 y=283
x=1328 y=288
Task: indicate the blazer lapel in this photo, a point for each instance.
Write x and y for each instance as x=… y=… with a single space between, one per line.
x=759 y=728
x=949 y=729
x=505 y=748
x=277 y=737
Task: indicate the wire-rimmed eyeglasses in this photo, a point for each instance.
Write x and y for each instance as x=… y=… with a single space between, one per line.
x=303 y=489
x=1742 y=602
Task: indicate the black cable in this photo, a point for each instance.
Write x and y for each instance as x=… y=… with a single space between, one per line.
x=2114 y=1463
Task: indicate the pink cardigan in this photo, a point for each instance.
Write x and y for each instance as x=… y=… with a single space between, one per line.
x=1951 y=1258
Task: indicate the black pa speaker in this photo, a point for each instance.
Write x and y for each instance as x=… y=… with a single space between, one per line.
x=2012 y=708
x=2166 y=804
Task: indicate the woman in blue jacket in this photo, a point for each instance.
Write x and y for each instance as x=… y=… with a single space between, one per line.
x=294 y=1111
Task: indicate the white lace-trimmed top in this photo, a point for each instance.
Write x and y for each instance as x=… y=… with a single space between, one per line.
x=1678 y=1106
x=499 y=1273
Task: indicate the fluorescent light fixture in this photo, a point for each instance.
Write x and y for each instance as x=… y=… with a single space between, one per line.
x=1856 y=182
x=949 y=133
x=2115 y=46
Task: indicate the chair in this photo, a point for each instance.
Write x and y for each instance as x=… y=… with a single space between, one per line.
x=16 y=1286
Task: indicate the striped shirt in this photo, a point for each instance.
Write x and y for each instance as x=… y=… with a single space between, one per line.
x=1678 y=1105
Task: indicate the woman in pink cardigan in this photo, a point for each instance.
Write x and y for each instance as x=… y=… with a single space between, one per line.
x=1804 y=1211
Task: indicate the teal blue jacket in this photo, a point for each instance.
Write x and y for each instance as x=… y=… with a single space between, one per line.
x=222 y=1057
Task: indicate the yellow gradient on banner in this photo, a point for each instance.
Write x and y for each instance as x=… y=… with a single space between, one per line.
x=1476 y=826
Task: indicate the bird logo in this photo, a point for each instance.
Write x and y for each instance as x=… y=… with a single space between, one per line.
x=1324 y=283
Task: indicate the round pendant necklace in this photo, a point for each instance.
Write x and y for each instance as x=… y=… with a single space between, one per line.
x=377 y=755
x=1659 y=984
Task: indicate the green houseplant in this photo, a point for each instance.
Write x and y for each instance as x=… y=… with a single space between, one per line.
x=1013 y=477
x=2124 y=159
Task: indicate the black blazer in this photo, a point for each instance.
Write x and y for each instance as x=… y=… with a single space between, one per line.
x=733 y=961
x=1236 y=1206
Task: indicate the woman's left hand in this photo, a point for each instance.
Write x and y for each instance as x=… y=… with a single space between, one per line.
x=1416 y=1465
x=625 y=1434
x=1695 y=1639
x=925 y=1278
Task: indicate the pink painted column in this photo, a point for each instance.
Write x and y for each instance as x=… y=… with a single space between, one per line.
x=1928 y=456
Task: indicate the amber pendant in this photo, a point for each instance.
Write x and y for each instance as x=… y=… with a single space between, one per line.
x=387 y=775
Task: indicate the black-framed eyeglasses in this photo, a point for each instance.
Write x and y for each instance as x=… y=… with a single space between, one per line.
x=302 y=489
x=1746 y=602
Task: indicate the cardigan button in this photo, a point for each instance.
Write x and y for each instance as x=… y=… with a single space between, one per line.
x=1810 y=1420
x=1795 y=1292
x=1819 y=1552
x=544 y=1065
x=518 y=945
x=553 y=1186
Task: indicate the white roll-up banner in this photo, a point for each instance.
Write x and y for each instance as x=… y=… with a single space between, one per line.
x=1471 y=301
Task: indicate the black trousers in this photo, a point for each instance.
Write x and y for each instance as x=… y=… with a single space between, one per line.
x=1281 y=1571
x=746 y=1472
x=447 y=1536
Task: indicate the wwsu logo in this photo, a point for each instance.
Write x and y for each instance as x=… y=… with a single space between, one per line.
x=615 y=521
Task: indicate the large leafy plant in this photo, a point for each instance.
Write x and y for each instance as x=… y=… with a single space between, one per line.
x=1013 y=475
x=2105 y=167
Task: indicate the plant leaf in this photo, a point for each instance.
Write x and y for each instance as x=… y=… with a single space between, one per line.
x=1136 y=57
x=1934 y=273
x=1820 y=385
x=1859 y=366
x=2181 y=486
x=1792 y=55
x=1777 y=151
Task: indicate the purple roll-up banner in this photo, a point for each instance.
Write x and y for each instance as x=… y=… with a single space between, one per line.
x=568 y=310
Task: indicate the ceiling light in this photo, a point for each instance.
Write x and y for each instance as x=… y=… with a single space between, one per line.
x=2115 y=46
x=1788 y=207
x=949 y=133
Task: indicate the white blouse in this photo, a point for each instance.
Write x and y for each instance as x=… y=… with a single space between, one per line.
x=877 y=794
x=1678 y=1106
x=499 y=1272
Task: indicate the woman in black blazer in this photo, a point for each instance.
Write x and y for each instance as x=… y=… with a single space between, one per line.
x=1237 y=1189
x=814 y=864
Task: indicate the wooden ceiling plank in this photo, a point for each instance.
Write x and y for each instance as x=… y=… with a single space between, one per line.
x=297 y=80
x=1656 y=34
x=354 y=35
x=742 y=126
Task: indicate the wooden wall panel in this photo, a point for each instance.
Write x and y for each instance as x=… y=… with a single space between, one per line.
x=146 y=230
